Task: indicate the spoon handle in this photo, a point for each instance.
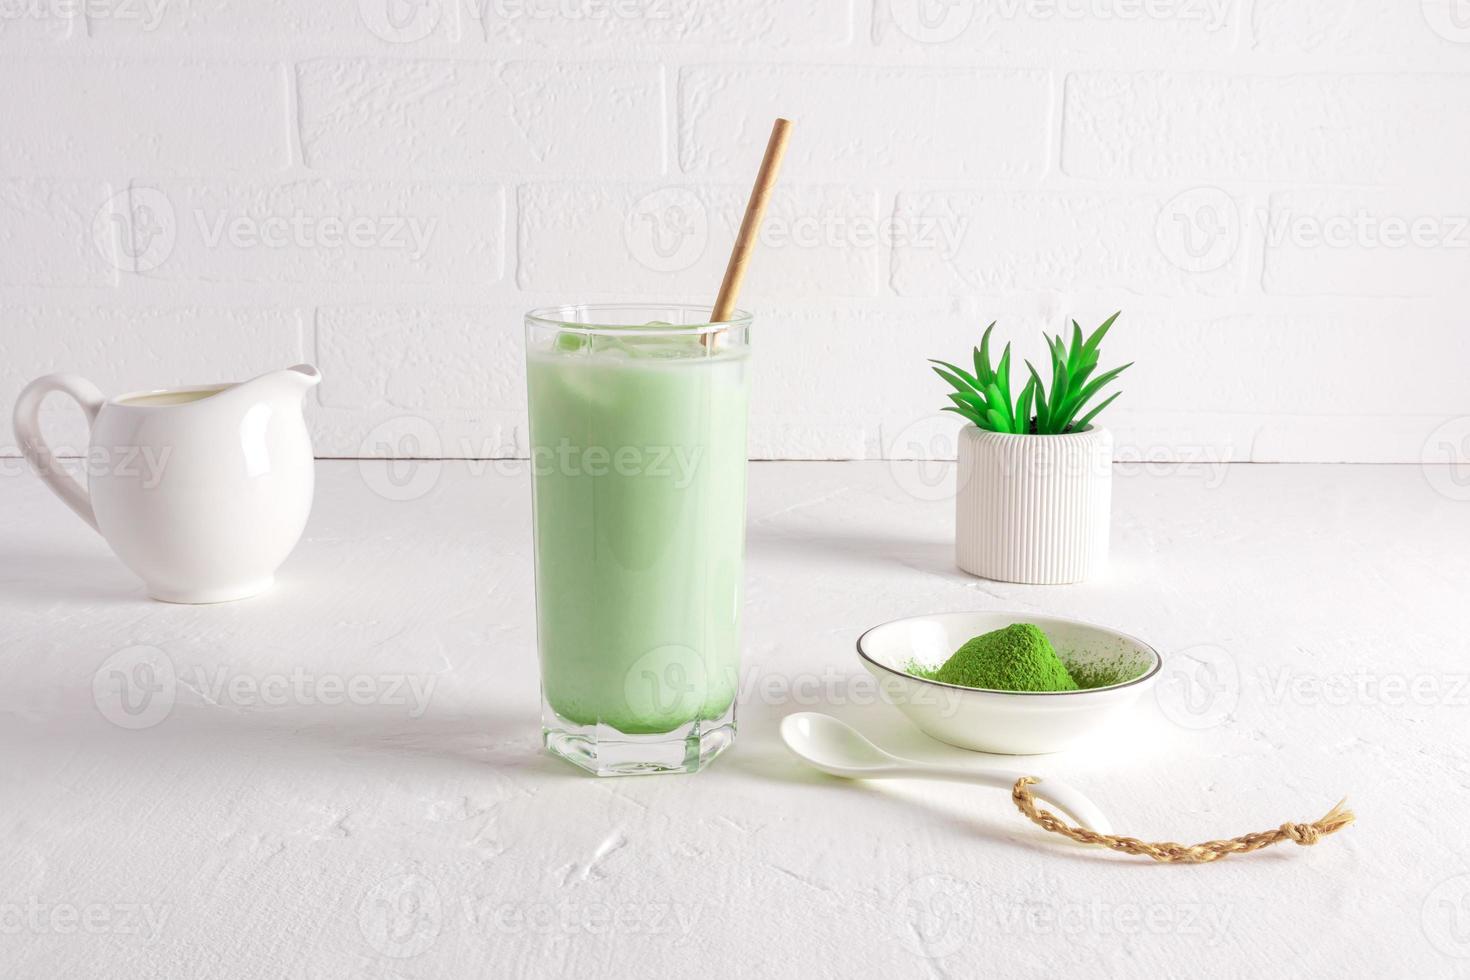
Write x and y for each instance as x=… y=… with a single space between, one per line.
x=1054 y=791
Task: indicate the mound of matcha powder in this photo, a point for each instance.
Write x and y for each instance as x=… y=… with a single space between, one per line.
x=1017 y=658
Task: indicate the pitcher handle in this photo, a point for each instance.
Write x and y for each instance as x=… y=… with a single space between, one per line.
x=33 y=446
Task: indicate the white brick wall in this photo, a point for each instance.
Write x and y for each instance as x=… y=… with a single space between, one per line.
x=79 y=115
x=46 y=228
x=1273 y=191
x=456 y=117
x=1341 y=128
x=661 y=238
x=940 y=124
x=1074 y=240
x=323 y=231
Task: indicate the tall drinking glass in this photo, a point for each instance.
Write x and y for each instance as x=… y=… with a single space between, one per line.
x=638 y=463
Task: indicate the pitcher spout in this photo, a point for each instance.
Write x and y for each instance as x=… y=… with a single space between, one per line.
x=303 y=376
x=292 y=381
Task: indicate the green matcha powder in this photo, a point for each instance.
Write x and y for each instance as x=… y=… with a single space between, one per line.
x=1020 y=658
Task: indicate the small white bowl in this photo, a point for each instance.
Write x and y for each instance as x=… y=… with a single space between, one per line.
x=1008 y=722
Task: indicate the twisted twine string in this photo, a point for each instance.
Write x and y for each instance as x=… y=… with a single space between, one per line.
x=1168 y=852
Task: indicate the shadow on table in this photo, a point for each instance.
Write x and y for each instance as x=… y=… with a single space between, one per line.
x=47 y=576
x=371 y=739
x=909 y=803
x=855 y=548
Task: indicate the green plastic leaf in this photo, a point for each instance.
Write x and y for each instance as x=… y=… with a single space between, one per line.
x=965 y=399
x=1095 y=341
x=1080 y=361
x=1053 y=344
x=1076 y=356
x=1083 y=422
x=1061 y=390
x=1083 y=396
x=954 y=382
x=1099 y=381
x=982 y=358
x=1023 y=406
x=992 y=397
x=1041 y=407
x=977 y=419
x=970 y=382
x=997 y=421
x=1003 y=377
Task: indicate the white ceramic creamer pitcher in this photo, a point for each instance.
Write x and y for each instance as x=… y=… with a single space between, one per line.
x=202 y=492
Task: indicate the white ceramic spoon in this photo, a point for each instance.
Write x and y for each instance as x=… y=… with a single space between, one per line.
x=838 y=749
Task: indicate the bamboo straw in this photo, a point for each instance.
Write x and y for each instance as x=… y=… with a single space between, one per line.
x=755 y=209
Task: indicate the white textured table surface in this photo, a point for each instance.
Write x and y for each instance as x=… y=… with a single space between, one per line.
x=1314 y=624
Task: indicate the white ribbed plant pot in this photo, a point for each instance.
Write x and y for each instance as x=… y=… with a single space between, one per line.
x=1033 y=509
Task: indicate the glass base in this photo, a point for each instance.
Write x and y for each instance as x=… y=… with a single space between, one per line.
x=604 y=751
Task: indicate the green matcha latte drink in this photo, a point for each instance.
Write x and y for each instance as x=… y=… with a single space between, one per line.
x=638 y=459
